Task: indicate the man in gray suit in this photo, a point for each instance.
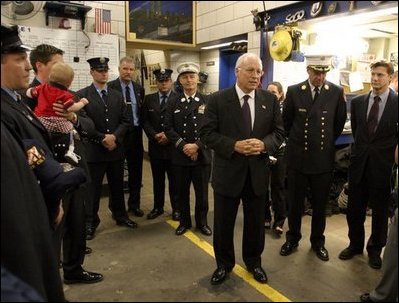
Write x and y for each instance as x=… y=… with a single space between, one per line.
x=242 y=125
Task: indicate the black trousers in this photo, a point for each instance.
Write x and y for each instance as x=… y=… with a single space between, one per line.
x=134 y=151
x=360 y=196
x=114 y=171
x=278 y=193
x=253 y=240
x=74 y=239
x=298 y=184
x=199 y=176
x=160 y=168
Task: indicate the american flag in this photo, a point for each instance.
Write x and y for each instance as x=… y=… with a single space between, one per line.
x=102 y=21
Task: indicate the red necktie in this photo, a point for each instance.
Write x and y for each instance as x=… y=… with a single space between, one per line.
x=372 y=119
x=246 y=114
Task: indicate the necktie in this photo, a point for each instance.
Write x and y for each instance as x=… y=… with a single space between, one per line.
x=246 y=114
x=316 y=93
x=372 y=119
x=104 y=96
x=163 y=101
x=128 y=99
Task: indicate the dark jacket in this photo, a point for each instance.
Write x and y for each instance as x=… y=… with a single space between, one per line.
x=108 y=119
x=313 y=127
x=27 y=247
x=138 y=92
x=182 y=124
x=224 y=125
x=378 y=150
x=153 y=119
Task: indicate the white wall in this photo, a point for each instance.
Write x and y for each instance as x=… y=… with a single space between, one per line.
x=215 y=20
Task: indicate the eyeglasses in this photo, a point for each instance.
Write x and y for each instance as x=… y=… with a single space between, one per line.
x=258 y=72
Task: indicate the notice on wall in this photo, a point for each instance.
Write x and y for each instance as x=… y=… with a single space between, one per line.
x=78 y=46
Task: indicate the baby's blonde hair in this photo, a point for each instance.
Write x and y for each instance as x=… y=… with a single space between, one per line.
x=61 y=73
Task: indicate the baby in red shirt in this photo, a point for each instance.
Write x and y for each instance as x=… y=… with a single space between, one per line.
x=60 y=79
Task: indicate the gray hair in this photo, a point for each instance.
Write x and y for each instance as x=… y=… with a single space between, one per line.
x=246 y=56
x=126 y=59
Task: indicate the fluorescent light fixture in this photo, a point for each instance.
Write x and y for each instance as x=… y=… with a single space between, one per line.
x=223 y=44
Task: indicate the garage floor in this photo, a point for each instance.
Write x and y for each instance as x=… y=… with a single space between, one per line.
x=151 y=264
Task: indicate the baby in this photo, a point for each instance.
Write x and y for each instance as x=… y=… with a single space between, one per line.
x=60 y=79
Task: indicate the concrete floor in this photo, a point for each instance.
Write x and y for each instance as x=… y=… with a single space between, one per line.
x=151 y=264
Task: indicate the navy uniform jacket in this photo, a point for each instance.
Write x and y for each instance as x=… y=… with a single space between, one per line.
x=182 y=124
x=153 y=123
x=378 y=150
x=224 y=125
x=312 y=128
x=108 y=119
x=27 y=247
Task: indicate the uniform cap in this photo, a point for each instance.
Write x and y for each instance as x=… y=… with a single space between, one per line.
x=162 y=74
x=320 y=63
x=10 y=41
x=99 y=63
x=188 y=67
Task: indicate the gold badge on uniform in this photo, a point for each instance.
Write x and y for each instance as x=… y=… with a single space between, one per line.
x=196 y=99
x=303 y=87
x=201 y=109
x=326 y=87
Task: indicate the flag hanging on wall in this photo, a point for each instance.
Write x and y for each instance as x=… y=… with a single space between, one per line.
x=102 y=22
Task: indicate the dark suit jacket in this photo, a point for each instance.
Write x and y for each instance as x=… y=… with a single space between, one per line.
x=378 y=150
x=138 y=92
x=111 y=119
x=313 y=127
x=224 y=125
x=153 y=123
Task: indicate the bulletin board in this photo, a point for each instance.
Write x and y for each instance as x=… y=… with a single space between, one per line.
x=76 y=44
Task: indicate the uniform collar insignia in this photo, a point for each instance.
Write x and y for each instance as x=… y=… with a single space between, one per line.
x=326 y=87
x=303 y=87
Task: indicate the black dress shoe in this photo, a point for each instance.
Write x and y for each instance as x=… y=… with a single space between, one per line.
x=259 y=274
x=90 y=231
x=288 y=248
x=365 y=298
x=88 y=250
x=137 y=212
x=349 y=253
x=181 y=229
x=83 y=277
x=156 y=212
x=205 y=230
x=126 y=222
x=321 y=253
x=219 y=275
x=375 y=261
x=176 y=215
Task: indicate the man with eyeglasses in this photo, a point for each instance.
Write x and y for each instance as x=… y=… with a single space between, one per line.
x=314 y=115
x=242 y=125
